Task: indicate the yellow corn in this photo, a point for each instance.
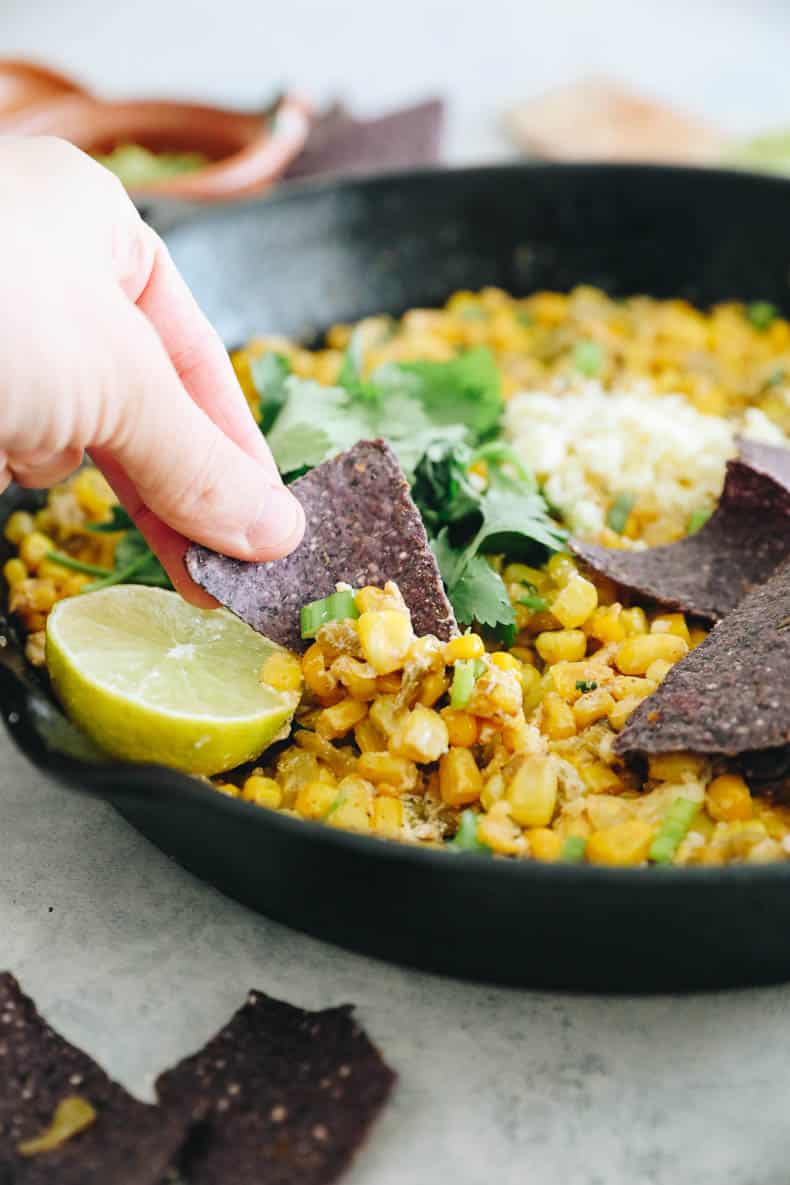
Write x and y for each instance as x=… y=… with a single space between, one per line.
x=460 y=781
x=92 y=492
x=728 y=798
x=658 y=670
x=262 y=791
x=74 y=584
x=592 y=706
x=544 y=845
x=505 y=661
x=493 y=790
x=432 y=689
x=369 y=738
x=14 y=572
x=622 y=710
x=385 y=636
x=532 y=792
x=599 y=778
x=467 y=646
x=523 y=574
x=358 y=678
x=33 y=549
x=518 y=738
x=226 y=788
x=565 y=676
x=671 y=623
x=558 y=721
x=696 y=636
x=561 y=568
x=374 y=600
x=532 y=689
x=575 y=601
x=336 y=721
x=388 y=817
x=315 y=799
x=316 y=676
x=19 y=524
x=282 y=671
x=631 y=687
x=497 y=830
x=462 y=728
x=674 y=767
x=427 y=653
x=420 y=736
x=381 y=768
x=561 y=646
x=634 y=621
x=625 y=843
x=606 y=624
x=389 y=684
x=524 y=655
x=636 y=654
x=386 y=713
x=339 y=761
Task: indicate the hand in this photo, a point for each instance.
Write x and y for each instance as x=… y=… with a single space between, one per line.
x=103 y=348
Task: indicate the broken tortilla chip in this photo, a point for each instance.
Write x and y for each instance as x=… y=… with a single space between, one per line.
x=731 y=694
x=739 y=547
x=126 y=1142
x=286 y=1096
x=362 y=527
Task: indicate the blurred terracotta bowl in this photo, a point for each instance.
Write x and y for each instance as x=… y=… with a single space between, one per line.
x=247 y=152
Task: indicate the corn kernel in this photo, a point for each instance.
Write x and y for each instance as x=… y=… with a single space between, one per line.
x=561 y=646
x=561 y=568
x=262 y=791
x=544 y=845
x=505 y=661
x=575 y=601
x=467 y=646
x=565 y=678
x=376 y=600
x=384 y=767
x=671 y=623
x=622 y=710
x=19 y=524
x=421 y=735
x=282 y=671
x=592 y=706
x=606 y=624
x=14 y=572
x=519 y=738
x=623 y=844
x=493 y=791
x=658 y=670
x=92 y=492
x=426 y=653
x=634 y=621
x=432 y=689
x=358 y=678
x=314 y=799
x=460 y=781
x=599 y=778
x=226 y=788
x=497 y=830
x=316 y=676
x=387 y=817
x=369 y=738
x=462 y=728
x=532 y=689
x=524 y=655
x=385 y=636
x=336 y=721
x=522 y=574
x=630 y=686
x=728 y=798
x=636 y=654
x=386 y=713
x=74 y=584
x=558 y=721
x=532 y=792
x=339 y=760
x=33 y=549
x=696 y=636
x=606 y=810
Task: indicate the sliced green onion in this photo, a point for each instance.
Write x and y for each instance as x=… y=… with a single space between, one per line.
x=673 y=830
x=697 y=519
x=338 y=606
x=572 y=851
x=535 y=603
x=588 y=358
x=68 y=561
x=464 y=676
x=761 y=314
x=586 y=685
x=465 y=838
x=619 y=511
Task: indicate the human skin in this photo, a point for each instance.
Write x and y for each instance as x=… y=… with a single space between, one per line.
x=104 y=350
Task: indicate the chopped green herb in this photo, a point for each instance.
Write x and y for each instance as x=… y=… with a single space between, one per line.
x=588 y=358
x=466 y=838
x=572 y=851
x=464 y=677
x=338 y=606
x=673 y=830
x=586 y=685
x=269 y=373
x=68 y=561
x=535 y=603
x=761 y=314
x=619 y=511
x=697 y=519
x=524 y=319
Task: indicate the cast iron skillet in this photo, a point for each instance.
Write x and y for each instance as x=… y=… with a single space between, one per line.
x=300 y=261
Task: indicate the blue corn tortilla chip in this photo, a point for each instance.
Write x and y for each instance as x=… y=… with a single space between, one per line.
x=129 y=1143
x=731 y=694
x=362 y=528
x=285 y=1096
x=739 y=547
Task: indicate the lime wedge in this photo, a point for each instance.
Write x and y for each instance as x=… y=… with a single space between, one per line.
x=150 y=678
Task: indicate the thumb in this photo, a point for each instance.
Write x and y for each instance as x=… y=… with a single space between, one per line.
x=185 y=471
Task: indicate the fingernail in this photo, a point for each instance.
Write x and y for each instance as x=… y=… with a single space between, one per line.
x=280 y=526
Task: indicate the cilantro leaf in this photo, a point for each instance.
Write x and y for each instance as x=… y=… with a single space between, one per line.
x=465 y=390
x=480 y=595
x=514 y=520
x=269 y=373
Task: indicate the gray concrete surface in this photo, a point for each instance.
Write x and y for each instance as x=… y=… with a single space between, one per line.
x=136 y=961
